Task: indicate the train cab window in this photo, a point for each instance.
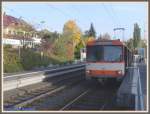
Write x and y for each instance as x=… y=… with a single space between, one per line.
x=104 y=53
x=112 y=53
x=94 y=53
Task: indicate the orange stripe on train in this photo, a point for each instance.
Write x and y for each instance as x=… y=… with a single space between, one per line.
x=104 y=72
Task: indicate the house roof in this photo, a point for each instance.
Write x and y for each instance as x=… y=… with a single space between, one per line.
x=9 y=20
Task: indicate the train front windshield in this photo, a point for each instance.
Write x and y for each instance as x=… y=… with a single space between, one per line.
x=99 y=53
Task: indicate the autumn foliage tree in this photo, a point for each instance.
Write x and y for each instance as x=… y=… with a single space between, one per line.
x=73 y=33
x=89 y=34
x=65 y=46
x=48 y=39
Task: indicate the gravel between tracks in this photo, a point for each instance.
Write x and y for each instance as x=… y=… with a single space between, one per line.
x=97 y=96
x=10 y=97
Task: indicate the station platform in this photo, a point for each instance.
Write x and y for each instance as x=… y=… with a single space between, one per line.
x=130 y=94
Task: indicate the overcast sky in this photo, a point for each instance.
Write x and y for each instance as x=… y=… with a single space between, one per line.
x=105 y=16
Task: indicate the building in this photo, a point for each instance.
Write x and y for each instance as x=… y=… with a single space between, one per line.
x=17 y=32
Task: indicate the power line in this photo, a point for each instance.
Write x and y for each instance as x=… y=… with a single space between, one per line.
x=64 y=13
x=113 y=11
x=78 y=12
x=115 y=19
x=109 y=14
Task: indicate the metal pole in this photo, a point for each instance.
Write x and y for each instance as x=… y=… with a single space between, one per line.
x=19 y=52
x=123 y=35
x=114 y=34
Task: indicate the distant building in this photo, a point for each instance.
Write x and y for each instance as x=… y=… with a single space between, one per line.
x=17 y=32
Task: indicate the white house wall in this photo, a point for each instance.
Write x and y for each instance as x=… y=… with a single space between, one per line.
x=11 y=41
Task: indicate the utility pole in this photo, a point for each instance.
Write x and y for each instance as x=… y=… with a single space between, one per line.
x=19 y=51
x=122 y=29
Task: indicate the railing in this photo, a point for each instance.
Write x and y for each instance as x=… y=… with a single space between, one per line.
x=130 y=92
x=20 y=80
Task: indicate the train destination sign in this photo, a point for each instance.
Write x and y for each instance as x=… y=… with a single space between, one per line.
x=103 y=43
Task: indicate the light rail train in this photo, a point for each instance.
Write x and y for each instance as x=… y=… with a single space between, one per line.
x=107 y=59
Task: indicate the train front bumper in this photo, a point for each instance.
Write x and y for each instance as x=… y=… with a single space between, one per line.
x=104 y=73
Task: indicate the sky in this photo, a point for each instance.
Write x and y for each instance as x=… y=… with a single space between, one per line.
x=105 y=16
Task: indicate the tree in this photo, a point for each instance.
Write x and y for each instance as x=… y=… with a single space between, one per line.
x=77 y=50
x=86 y=33
x=44 y=32
x=89 y=34
x=106 y=36
x=72 y=34
x=136 y=36
x=92 y=32
x=48 y=39
x=73 y=31
x=59 y=47
x=129 y=44
x=142 y=44
x=100 y=37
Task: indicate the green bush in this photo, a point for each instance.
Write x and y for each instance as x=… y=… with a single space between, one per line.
x=11 y=62
x=7 y=46
x=28 y=59
x=31 y=59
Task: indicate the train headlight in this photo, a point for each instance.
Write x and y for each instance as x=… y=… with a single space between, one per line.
x=119 y=72
x=88 y=71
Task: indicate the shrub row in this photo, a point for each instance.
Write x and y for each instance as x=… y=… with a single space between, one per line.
x=28 y=60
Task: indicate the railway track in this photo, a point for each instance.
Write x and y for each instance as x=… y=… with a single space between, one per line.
x=86 y=95
x=97 y=97
x=53 y=85
x=68 y=92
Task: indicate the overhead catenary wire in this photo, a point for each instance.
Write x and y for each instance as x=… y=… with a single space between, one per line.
x=114 y=13
x=110 y=15
x=65 y=14
x=119 y=24
x=79 y=12
x=110 y=11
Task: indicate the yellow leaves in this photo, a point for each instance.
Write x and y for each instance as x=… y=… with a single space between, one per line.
x=72 y=30
x=77 y=37
x=90 y=39
x=71 y=25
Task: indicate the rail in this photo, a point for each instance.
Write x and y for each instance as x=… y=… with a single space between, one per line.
x=20 y=80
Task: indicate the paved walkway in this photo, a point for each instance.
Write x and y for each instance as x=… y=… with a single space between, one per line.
x=143 y=76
